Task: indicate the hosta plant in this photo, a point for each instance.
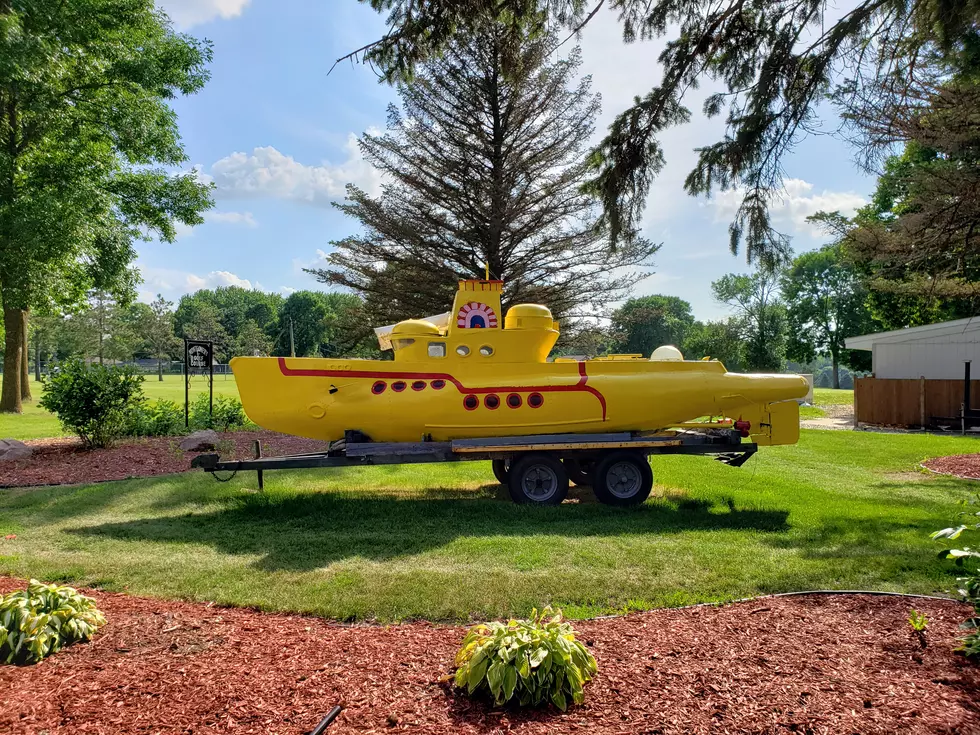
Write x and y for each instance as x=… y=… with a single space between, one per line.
x=42 y=619
x=531 y=662
x=968 y=558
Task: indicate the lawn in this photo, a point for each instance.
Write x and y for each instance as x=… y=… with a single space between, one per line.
x=833 y=396
x=35 y=422
x=839 y=510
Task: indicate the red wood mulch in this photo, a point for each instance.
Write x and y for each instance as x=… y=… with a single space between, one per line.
x=65 y=461
x=815 y=664
x=966 y=466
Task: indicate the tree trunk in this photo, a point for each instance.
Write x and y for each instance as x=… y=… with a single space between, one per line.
x=37 y=359
x=25 y=368
x=13 y=322
x=836 y=368
x=160 y=369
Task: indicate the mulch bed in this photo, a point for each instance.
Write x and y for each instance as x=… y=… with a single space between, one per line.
x=966 y=466
x=814 y=664
x=65 y=461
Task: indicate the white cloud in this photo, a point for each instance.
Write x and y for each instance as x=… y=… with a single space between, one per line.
x=267 y=173
x=794 y=204
x=187 y=13
x=299 y=264
x=232 y=218
x=174 y=283
x=287 y=290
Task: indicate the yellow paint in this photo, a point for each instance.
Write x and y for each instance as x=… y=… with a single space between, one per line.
x=439 y=370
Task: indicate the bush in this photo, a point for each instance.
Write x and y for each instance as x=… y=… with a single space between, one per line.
x=970 y=583
x=154 y=418
x=531 y=661
x=42 y=619
x=228 y=413
x=91 y=400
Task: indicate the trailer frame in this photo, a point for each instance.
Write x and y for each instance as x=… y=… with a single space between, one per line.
x=583 y=450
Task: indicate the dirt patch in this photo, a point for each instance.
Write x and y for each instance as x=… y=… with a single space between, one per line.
x=65 y=461
x=841 y=664
x=966 y=466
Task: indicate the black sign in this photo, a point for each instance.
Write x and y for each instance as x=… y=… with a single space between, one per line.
x=198 y=358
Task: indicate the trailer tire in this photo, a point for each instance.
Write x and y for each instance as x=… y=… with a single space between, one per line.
x=579 y=472
x=538 y=479
x=500 y=470
x=623 y=478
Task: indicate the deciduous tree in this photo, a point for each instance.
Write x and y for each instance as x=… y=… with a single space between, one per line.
x=86 y=132
x=755 y=302
x=826 y=302
x=643 y=324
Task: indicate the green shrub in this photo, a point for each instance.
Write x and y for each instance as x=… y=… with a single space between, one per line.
x=91 y=400
x=531 y=661
x=228 y=413
x=154 y=418
x=970 y=583
x=42 y=619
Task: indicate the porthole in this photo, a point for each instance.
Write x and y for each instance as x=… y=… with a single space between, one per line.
x=379 y=387
x=486 y=350
x=471 y=402
x=398 y=386
x=514 y=400
x=535 y=400
x=438 y=384
x=462 y=350
x=418 y=385
x=491 y=402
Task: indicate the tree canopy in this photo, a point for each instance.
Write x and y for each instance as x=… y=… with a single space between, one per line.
x=643 y=324
x=777 y=61
x=484 y=163
x=86 y=136
x=760 y=315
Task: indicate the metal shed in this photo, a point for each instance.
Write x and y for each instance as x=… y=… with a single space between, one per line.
x=920 y=375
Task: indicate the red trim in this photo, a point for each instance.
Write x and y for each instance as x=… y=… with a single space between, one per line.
x=466 y=402
x=540 y=401
x=489 y=398
x=580 y=386
x=519 y=400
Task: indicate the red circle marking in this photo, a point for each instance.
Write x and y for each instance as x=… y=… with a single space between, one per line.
x=535 y=400
x=492 y=401
x=438 y=384
x=418 y=385
x=379 y=387
x=398 y=386
x=471 y=402
x=514 y=400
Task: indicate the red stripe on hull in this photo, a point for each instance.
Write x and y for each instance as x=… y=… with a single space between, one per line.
x=579 y=387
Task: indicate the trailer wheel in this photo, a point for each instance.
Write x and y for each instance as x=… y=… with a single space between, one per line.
x=538 y=479
x=623 y=479
x=579 y=473
x=500 y=471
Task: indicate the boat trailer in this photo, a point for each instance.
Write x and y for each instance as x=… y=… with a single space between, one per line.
x=613 y=464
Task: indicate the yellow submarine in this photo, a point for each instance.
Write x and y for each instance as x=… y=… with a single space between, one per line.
x=475 y=375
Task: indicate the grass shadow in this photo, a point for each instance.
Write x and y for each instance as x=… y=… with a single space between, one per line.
x=309 y=531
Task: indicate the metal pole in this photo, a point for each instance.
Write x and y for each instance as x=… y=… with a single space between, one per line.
x=257 y=451
x=187 y=390
x=292 y=342
x=211 y=381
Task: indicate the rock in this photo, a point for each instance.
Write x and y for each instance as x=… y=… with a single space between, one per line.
x=200 y=441
x=11 y=449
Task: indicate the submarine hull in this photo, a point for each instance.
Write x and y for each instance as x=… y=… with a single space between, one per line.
x=409 y=402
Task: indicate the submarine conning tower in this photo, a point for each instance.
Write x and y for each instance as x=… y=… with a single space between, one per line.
x=477 y=331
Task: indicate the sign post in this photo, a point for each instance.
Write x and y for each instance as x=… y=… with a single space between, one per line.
x=198 y=356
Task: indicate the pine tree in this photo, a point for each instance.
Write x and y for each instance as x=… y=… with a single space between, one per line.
x=484 y=166
x=776 y=59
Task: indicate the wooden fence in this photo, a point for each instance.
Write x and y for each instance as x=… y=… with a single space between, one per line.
x=909 y=402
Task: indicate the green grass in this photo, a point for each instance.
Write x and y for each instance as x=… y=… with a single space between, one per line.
x=812 y=412
x=35 y=422
x=839 y=510
x=832 y=397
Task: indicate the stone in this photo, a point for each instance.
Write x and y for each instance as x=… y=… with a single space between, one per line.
x=11 y=450
x=200 y=441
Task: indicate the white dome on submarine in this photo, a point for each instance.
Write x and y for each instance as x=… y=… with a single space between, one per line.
x=667 y=353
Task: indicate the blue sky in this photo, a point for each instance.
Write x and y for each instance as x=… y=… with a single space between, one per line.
x=276 y=134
